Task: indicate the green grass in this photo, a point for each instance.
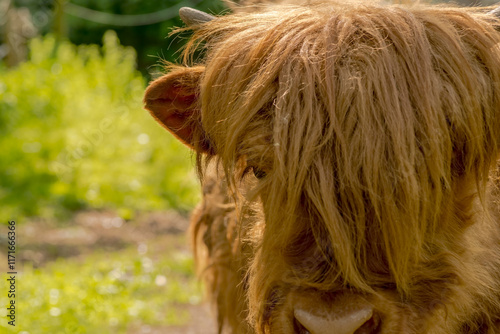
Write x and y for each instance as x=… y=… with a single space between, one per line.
x=74 y=135
x=105 y=293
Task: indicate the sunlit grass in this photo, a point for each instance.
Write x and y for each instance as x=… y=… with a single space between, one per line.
x=74 y=135
x=105 y=293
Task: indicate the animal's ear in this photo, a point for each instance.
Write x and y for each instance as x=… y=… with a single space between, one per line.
x=173 y=101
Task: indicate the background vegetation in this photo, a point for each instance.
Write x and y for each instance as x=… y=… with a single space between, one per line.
x=149 y=35
x=74 y=136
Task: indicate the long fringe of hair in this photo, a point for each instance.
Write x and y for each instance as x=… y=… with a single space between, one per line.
x=368 y=121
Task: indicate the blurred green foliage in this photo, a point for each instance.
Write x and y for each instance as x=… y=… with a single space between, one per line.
x=73 y=135
x=105 y=293
x=150 y=41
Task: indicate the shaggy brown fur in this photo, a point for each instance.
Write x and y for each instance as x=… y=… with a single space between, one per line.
x=222 y=255
x=373 y=131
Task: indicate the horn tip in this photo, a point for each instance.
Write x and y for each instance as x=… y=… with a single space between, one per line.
x=191 y=16
x=185 y=10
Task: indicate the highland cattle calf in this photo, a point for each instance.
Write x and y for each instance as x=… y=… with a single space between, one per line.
x=353 y=152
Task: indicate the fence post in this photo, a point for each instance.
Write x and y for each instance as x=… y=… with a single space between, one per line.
x=59 y=27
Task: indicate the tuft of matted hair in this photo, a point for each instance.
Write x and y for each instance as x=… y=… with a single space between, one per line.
x=223 y=250
x=372 y=131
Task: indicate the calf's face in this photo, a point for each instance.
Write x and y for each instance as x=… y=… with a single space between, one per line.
x=367 y=135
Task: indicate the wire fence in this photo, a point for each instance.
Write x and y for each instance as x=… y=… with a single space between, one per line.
x=126 y=20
